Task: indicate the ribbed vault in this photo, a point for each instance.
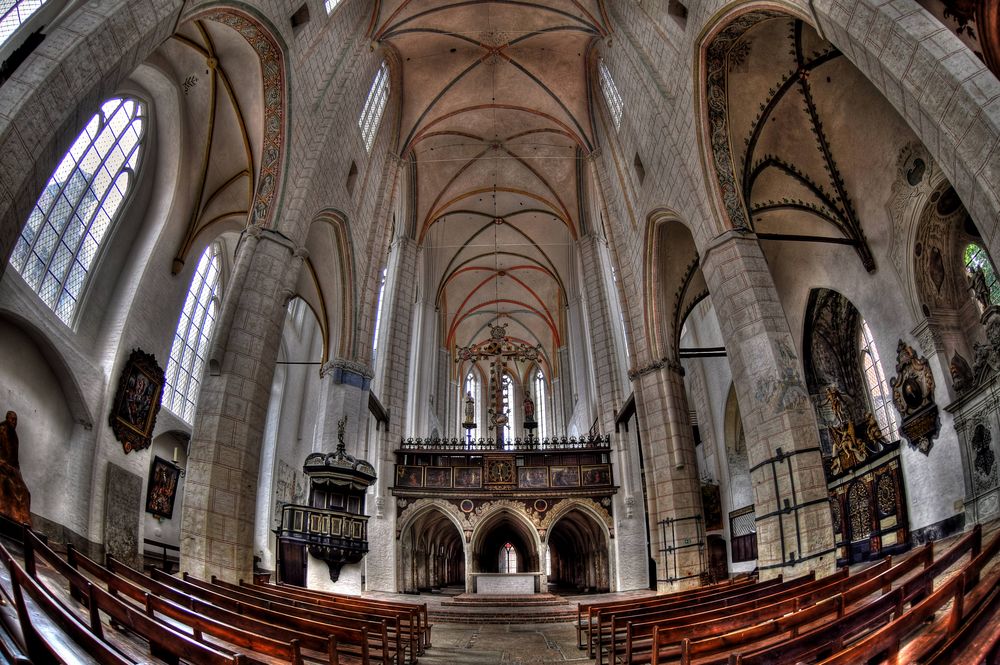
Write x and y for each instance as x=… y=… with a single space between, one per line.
x=495 y=122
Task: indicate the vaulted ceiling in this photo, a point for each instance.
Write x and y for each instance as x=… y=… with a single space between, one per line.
x=495 y=120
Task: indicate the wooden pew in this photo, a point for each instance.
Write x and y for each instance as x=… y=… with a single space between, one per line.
x=612 y=627
x=403 y=624
x=165 y=642
x=378 y=644
x=585 y=611
x=347 y=642
x=889 y=638
x=399 y=642
x=423 y=625
x=684 y=640
x=53 y=633
x=600 y=617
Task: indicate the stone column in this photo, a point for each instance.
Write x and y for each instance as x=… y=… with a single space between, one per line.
x=217 y=523
x=603 y=352
x=344 y=392
x=794 y=533
x=394 y=370
x=671 y=469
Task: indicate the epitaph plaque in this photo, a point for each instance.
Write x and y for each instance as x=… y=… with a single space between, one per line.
x=122 y=512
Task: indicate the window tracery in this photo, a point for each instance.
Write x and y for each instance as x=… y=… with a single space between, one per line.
x=79 y=205
x=15 y=14
x=611 y=94
x=194 y=332
x=371 y=114
x=878 y=387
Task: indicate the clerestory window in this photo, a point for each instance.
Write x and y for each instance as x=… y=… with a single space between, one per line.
x=79 y=205
x=194 y=333
x=541 y=399
x=878 y=387
x=611 y=94
x=371 y=114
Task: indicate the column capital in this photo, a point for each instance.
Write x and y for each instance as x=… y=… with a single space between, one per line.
x=655 y=366
x=351 y=372
x=724 y=239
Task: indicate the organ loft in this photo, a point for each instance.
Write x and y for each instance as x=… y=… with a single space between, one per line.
x=614 y=331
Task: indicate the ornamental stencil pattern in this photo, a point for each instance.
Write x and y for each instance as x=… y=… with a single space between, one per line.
x=273 y=74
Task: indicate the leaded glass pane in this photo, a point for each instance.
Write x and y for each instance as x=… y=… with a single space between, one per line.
x=371 y=113
x=194 y=331
x=976 y=257
x=54 y=256
x=15 y=13
x=878 y=387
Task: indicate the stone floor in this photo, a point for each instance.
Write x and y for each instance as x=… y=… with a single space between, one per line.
x=461 y=644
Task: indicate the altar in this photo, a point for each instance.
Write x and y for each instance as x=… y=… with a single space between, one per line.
x=506 y=584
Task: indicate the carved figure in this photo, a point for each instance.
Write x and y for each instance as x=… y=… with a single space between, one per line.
x=962 y=378
x=15 y=499
x=529 y=407
x=873 y=431
x=470 y=408
x=977 y=284
x=848 y=451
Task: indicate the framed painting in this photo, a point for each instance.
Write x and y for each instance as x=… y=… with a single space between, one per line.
x=162 y=489
x=468 y=477
x=409 y=476
x=438 y=477
x=532 y=476
x=137 y=401
x=598 y=474
x=564 y=476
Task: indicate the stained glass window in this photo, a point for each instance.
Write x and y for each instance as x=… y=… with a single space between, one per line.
x=14 y=14
x=378 y=314
x=80 y=203
x=371 y=114
x=878 y=388
x=194 y=332
x=541 y=399
x=508 y=559
x=471 y=388
x=611 y=94
x=976 y=257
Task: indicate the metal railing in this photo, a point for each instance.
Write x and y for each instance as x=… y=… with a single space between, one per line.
x=518 y=444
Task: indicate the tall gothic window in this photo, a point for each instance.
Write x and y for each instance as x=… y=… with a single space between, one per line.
x=79 y=205
x=611 y=94
x=878 y=388
x=541 y=400
x=621 y=317
x=506 y=399
x=378 y=315
x=194 y=332
x=330 y=5
x=508 y=559
x=471 y=388
x=15 y=14
x=975 y=256
x=371 y=114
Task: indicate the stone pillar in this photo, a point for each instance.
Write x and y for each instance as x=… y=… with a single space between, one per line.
x=794 y=533
x=394 y=370
x=344 y=392
x=217 y=523
x=671 y=469
x=603 y=352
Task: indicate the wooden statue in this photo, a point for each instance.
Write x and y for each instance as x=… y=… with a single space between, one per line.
x=15 y=499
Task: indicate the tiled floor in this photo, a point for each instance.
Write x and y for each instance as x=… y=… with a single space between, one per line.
x=461 y=644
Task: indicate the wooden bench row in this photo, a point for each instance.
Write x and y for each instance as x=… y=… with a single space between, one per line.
x=840 y=620
x=212 y=622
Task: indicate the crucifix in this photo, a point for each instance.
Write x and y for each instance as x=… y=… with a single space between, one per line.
x=499 y=350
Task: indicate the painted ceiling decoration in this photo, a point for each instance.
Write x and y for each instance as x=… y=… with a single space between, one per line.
x=494 y=123
x=777 y=171
x=235 y=121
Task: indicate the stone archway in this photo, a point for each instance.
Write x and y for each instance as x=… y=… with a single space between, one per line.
x=502 y=527
x=578 y=554
x=431 y=552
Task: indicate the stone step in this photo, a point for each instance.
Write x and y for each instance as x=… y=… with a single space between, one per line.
x=500 y=618
x=491 y=600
